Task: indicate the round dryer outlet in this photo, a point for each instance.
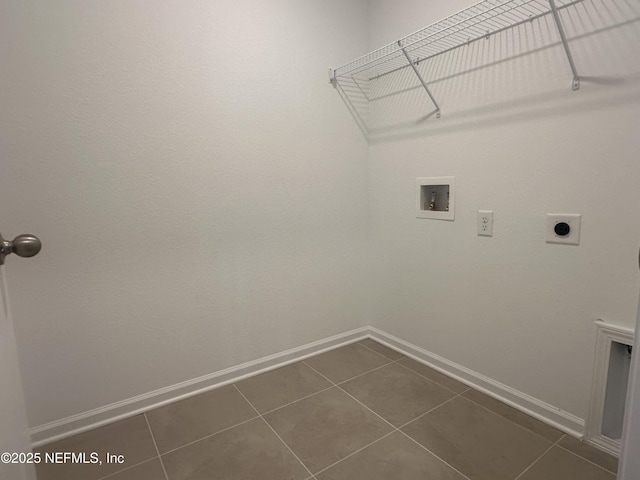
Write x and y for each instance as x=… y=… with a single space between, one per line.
x=563 y=228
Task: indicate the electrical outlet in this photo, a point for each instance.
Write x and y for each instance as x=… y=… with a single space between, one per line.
x=563 y=228
x=485 y=223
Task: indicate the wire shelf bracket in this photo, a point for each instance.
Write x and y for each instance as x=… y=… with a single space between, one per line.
x=424 y=84
x=556 y=17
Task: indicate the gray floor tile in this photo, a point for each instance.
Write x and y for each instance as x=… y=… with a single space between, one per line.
x=395 y=457
x=247 y=452
x=609 y=462
x=219 y=434
x=381 y=349
x=478 y=443
x=130 y=438
x=434 y=375
x=510 y=413
x=151 y=470
x=189 y=420
x=558 y=464
x=284 y=385
x=326 y=427
x=346 y=362
x=396 y=393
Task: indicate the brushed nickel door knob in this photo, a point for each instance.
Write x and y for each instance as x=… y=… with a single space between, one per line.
x=25 y=245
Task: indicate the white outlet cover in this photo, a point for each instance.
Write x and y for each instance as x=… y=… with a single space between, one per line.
x=485 y=223
x=571 y=219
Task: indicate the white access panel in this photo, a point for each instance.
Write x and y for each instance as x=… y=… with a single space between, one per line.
x=436 y=197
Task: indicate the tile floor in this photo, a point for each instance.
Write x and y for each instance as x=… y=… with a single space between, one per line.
x=359 y=412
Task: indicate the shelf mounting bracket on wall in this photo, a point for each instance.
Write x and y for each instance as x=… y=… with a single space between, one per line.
x=424 y=84
x=352 y=108
x=556 y=17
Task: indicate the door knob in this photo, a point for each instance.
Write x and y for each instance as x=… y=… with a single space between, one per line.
x=23 y=245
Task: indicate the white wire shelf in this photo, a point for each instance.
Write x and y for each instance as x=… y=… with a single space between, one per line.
x=477 y=22
x=357 y=80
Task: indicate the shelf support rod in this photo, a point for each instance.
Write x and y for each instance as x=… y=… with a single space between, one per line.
x=424 y=84
x=350 y=106
x=576 y=78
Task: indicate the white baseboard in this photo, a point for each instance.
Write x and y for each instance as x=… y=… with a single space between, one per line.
x=564 y=421
x=76 y=424
x=612 y=447
x=73 y=425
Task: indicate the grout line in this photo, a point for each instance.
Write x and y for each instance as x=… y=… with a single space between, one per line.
x=275 y=433
x=429 y=411
x=375 y=351
x=432 y=453
x=456 y=395
x=298 y=400
x=333 y=384
x=539 y=458
x=461 y=394
x=166 y=475
x=246 y=400
x=391 y=362
x=377 y=415
x=210 y=435
x=327 y=379
x=512 y=421
x=395 y=429
x=357 y=451
x=111 y=475
x=432 y=380
x=365 y=373
x=585 y=459
x=484 y=407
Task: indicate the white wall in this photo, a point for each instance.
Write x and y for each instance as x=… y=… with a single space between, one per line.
x=198 y=186
x=205 y=198
x=521 y=143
